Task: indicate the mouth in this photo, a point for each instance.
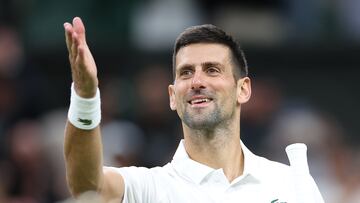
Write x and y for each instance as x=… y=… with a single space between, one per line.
x=200 y=101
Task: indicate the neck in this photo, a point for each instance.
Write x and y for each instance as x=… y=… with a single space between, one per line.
x=218 y=148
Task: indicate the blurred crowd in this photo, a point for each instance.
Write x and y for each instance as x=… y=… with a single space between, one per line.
x=292 y=101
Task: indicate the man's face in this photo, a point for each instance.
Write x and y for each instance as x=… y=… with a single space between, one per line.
x=204 y=92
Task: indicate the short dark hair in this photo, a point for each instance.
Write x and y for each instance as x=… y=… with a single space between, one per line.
x=211 y=34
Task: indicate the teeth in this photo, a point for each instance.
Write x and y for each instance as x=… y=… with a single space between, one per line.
x=197 y=101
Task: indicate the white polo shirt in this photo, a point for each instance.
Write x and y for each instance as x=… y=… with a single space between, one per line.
x=184 y=180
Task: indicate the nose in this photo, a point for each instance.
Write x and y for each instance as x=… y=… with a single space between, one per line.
x=197 y=81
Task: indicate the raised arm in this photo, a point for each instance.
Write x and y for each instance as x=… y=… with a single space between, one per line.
x=83 y=147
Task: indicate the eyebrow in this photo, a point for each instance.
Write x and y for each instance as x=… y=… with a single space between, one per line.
x=207 y=63
x=184 y=67
x=211 y=63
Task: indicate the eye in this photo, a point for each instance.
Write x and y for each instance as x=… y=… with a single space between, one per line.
x=186 y=73
x=212 y=70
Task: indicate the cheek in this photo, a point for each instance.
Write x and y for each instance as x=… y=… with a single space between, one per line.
x=179 y=95
x=230 y=95
x=181 y=88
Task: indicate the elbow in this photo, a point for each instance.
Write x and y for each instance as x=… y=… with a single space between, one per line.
x=85 y=195
x=78 y=189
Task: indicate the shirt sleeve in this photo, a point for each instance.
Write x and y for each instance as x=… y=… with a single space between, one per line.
x=139 y=185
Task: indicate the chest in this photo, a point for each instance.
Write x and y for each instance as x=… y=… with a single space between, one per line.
x=179 y=190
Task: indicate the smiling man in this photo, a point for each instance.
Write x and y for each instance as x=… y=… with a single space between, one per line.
x=211 y=163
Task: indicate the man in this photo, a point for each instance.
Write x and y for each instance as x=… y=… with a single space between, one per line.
x=211 y=164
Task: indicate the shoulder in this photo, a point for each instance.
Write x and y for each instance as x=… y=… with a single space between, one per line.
x=141 y=175
x=143 y=184
x=274 y=171
x=262 y=166
x=135 y=170
x=273 y=165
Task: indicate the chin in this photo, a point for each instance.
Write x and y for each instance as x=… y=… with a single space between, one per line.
x=205 y=122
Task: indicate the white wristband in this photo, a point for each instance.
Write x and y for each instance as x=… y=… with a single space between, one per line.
x=84 y=113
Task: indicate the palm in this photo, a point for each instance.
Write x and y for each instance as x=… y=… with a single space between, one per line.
x=83 y=67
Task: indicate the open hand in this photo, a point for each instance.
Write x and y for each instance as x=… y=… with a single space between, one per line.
x=83 y=67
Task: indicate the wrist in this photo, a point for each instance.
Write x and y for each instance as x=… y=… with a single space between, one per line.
x=84 y=113
x=85 y=92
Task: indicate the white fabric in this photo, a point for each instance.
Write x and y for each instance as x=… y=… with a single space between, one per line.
x=184 y=181
x=84 y=113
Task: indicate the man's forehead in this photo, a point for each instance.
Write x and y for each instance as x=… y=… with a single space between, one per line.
x=199 y=53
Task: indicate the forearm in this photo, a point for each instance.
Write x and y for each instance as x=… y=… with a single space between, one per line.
x=83 y=156
x=83 y=148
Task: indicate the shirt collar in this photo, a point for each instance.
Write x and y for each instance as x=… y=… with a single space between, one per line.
x=187 y=167
x=196 y=171
x=251 y=162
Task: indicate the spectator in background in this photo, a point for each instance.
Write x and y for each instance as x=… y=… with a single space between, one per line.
x=333 y=162
x=11 y=52
x=11 y=59
x=259 y=112
x=158 y=123
x=123 y=140
x=28 y=172
x=25 y=172
x=20 y=83
x=52 y=139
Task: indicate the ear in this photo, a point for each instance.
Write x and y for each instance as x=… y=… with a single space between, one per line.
x=172 y=97
x=243 y=90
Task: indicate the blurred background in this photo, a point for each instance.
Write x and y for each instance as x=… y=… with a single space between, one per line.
x=302 y=55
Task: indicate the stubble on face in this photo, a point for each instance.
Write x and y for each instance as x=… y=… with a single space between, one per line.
x=202 y=118
x=210 y=118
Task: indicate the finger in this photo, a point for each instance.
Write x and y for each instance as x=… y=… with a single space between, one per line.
x=79 y=28
x=74 y=46
x=81 y=53
x=68 y=38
